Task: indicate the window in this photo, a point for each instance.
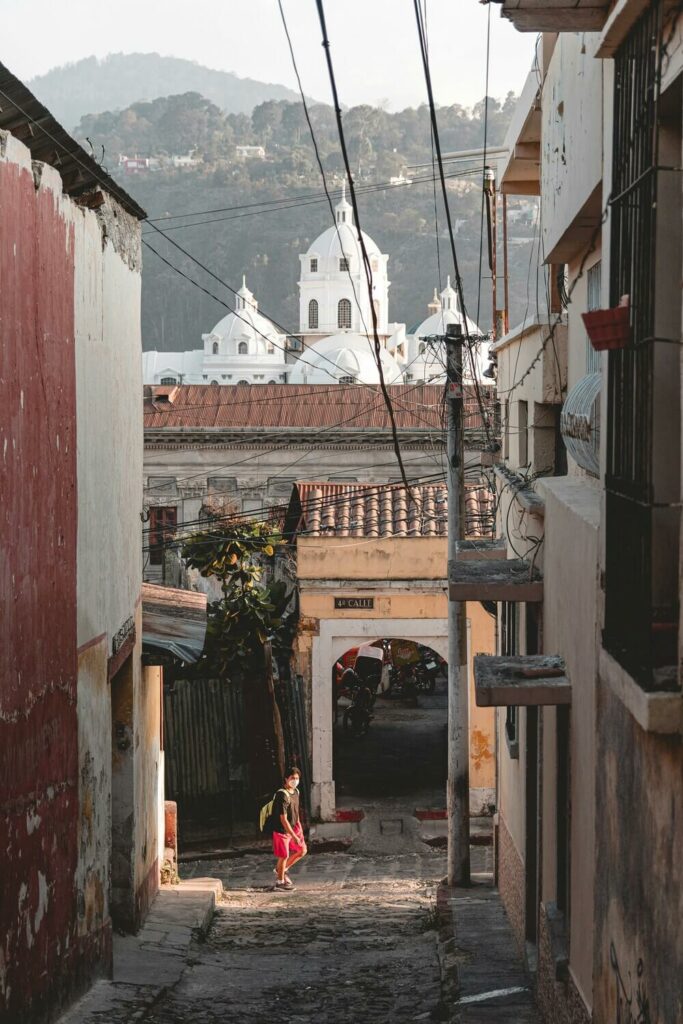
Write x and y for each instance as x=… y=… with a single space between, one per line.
x=242 y=348
x=214 y=348
x=523 y=434
x=222 y=484
x=314 y=266
x=594 y=301
x=643 y=454
x=271 y=350
x=313 y=313
x=165 y=485
x=509 y=645
x=162 y=525
x=421 y=348
x=344 y=263
x=347 y=380
x=240 y=382
x=344 y=314
x=168 y=380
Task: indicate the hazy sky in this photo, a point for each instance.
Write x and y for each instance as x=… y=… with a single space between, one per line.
x=374 y=43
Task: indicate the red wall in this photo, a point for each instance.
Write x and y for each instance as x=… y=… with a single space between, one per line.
x=38 y=664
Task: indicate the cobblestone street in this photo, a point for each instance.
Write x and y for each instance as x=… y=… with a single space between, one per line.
x=336 y=949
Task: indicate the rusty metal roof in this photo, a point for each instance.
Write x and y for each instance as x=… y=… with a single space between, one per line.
x=173 y=622
x=383 y=510
x=298 y=405
x=28 y=120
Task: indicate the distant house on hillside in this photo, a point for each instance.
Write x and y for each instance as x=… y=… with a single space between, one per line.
x=185 y=160
x=250 y=152
x=134 y=164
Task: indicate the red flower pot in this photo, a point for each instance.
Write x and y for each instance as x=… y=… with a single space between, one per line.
x=608 y=328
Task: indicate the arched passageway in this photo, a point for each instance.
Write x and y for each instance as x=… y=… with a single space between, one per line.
x=402 y=752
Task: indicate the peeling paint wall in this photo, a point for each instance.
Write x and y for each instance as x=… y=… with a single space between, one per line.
x=38 y=724
x=71 y=479
x=639 y=872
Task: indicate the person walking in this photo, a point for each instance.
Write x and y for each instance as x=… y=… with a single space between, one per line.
x=289 y=845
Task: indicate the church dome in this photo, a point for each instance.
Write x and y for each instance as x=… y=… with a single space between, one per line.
x=245 y=331
x=341 y=240
x=427 y=360
x=346 y=358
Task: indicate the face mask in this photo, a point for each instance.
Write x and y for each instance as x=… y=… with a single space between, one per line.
x=293 y=783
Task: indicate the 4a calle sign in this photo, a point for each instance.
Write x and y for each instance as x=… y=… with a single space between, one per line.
x=354 y=602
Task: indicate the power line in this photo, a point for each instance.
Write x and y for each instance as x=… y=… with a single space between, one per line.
x=361 y=239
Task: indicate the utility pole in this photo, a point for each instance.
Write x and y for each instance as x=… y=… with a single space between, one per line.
x=458 y=785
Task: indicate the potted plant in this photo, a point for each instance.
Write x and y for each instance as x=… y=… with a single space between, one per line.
x=609 y=328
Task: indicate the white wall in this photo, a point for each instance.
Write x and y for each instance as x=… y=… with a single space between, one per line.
x=571 y=141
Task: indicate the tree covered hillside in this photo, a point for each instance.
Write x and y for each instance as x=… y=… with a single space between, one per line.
x=120 y=79
x=255 y=216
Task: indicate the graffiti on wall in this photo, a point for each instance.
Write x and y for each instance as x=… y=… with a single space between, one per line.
x=633 y=1005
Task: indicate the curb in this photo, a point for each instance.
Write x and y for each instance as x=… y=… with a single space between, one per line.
x=447 y=954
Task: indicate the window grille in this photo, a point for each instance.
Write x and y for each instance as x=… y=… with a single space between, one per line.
x=594 y=301
x=214 y=348
x=629 y=607
x=162 y=525
x=344 y=313
x=313 y=313
x=314 y=266
x=343 y=264
x=168 y=380
x=347 y=380
x=242 y=348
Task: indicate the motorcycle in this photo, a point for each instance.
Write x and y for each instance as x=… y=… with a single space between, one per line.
x=358 y=715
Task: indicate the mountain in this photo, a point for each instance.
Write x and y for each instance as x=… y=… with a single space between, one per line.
x=92 y=85
x=262 y=213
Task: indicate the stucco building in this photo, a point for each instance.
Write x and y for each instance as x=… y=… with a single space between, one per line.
x=335 y=339
x=246 y=447
x=587 y=680
x=79 y=714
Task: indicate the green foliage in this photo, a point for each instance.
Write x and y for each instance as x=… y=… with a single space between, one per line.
x=250 y=612
x=265 y=245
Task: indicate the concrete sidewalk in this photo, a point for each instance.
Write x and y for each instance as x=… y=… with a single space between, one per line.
x=492 y=983
x=150 y=963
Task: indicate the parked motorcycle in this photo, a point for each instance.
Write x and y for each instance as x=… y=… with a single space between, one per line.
x=358 y=715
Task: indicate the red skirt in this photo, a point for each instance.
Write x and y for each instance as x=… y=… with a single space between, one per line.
x=284 y=845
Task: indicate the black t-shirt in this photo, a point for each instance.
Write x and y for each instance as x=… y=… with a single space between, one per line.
x=286 y=803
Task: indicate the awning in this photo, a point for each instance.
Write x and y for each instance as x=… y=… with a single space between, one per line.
x=173 y=623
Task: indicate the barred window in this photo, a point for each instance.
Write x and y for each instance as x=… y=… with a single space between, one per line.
x=344 y=313
x=314 y=266
x=313 y=313
x=344 y=263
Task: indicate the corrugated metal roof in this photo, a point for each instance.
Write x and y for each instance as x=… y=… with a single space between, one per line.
x=173 y=622
x=381 y=510
x=300 y=406
x=28 y=120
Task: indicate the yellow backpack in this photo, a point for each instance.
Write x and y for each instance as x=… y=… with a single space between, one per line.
x=265 y=821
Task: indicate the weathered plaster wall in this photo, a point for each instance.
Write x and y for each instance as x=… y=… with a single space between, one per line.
x=71 y=438
x=639 y=873
x=109 y=454
x=147 y=754
x=570 y=615
x=372 y=558
x=571 y=139
x=39 y=944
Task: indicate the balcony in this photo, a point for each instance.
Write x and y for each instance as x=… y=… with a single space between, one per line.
x=481 y=549
x=521 y=680
x=486 y=579
x=556 y=15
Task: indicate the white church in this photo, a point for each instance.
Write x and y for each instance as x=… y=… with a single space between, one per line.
x=335 y=341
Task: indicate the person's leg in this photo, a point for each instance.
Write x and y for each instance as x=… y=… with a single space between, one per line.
x=280 y=868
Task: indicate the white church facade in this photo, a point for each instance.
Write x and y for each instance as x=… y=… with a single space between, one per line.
x=336 y=337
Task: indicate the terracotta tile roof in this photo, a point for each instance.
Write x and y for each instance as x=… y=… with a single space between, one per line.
x=297 y=406
x=383 y=510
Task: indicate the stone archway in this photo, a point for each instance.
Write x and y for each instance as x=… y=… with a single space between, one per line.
x=335 y=637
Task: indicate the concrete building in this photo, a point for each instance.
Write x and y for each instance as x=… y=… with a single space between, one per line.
x=335 y=339
x=246 y=447
x=587 y=680
x=371 y=564
x=79 y=714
